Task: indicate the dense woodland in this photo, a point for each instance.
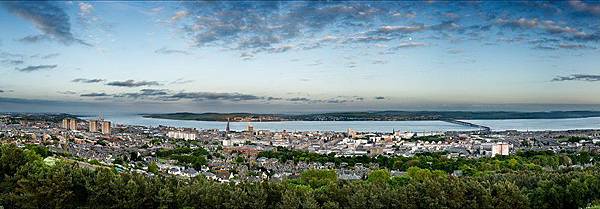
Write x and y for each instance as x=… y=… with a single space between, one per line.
x=29 y=181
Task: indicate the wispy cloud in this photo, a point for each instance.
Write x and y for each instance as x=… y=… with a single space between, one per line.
x=133 y=83
x=585 y=7
x=201 y=96
x=67 y=92
x=34 y=38
x=179 y=15
x=144 y=93
x=50 y=56
x=85 y=80
x=33 y=68
x=165 y=50
x=12 y=62
x=98 y=94
x=182 y=81
x=577 y=77
x=408 y=45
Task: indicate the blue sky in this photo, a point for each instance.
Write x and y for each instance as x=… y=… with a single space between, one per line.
x=298 y=56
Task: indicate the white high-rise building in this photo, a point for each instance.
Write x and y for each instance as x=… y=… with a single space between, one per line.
x=500 y=149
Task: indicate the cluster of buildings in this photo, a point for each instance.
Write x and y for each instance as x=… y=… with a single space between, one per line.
x=95 y=126
x=99 y=126
x=234 y=155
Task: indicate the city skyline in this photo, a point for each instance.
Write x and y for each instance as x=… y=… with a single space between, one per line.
x=298 y=56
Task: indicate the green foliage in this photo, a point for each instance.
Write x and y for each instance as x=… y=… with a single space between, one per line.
x=186 y=156
x=40 y=150
x=572 y=139
x=94 y=162
x=318 y=178
x=239 y=160
x=27 y=182
x=523 y=161
x=379 y=176
x=153 y=168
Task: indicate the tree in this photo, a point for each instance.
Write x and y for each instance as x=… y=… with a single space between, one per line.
x=153 y=168
x=380 y=176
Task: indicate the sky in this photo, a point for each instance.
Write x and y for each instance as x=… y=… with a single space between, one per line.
x=296 y=56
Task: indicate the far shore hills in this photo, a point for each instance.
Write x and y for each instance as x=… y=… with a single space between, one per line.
x=375 y=116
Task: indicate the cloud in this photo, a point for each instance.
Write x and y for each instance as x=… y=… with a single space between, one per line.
x=165 y=50
x=518 y=23
x=280 y=49
x=379 y=62
x=575 y=46
x=379 y=98
x=577 y=77
x=46 y=16
x=84 y=80
x=283 y=26
x=409 y=14
x=366 y=39
x=246 y=56
x=299 y=99
x=181 y=81
x=144 y=93
x=585 y=7
x=262 y=25
x=455 y=51
x=550 y=27
x=50 y=56
x=66 y=92
x=386 y=30
x=131 y=83
x=201 y=96
x=85 y=8
x=337 y=100
x=408 y=45
x=451 y=15
x=446 y=26
x=545 y=47
x=553 y=27
x=12 y=62
x=34 y=38
x=32 y=68
x=101 y=94
x=179 y=15
x=587 y=37
x=11 y=55
x=562 y=46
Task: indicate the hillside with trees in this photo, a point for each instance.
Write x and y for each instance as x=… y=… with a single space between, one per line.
x=29 y=181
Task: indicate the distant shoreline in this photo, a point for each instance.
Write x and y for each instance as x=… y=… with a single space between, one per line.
x=375 y=116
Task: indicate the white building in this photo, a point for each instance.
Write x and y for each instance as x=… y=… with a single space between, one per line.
x=500 y=149
x=182 y=135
